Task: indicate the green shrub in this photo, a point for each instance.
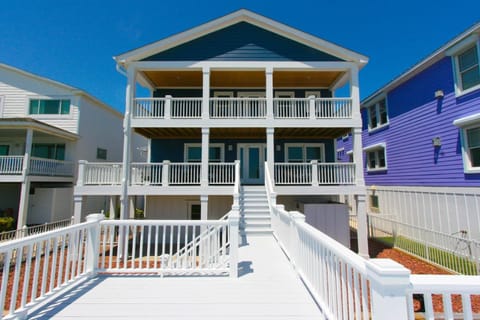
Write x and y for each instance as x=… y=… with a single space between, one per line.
x=6 y=224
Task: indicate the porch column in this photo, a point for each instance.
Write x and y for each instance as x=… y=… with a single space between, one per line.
x=269 y=91
x=204 y=170
x=131 y=207
x=129 y=101
x=270 y=150
x=206 y=93
x=204 y=207
x=358 y=156
x=355 y=93
x=25 y=189
x=112 y=207
x=362 y=228
x=77 y=208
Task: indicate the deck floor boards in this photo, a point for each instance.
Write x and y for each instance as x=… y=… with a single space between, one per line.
x=267 y=288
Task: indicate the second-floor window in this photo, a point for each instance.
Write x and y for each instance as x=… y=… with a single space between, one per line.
x=49 y=151
x=473 y=147
x=377 y=115
x=49 y=106
x=376 y=159
x=468 y=71
x=304 y=152
x=193 y=152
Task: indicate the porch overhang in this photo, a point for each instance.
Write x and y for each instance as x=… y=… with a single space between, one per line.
x=13 y=127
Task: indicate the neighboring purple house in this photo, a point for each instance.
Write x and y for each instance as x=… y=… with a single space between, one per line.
x=421 y=133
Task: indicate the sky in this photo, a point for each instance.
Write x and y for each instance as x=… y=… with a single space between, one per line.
x=74 y=41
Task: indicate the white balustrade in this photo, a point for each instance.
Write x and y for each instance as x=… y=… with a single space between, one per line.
x=11 y=164
x=149 y=108
x=102 y=173
x=314 y=173
x=238 y=108
x=186 y=108
x=336 y=173
x=333 y=108
x=291 y=108
x=293 y=173
x=221 y=173
x=50 y=167
x=184 y=173
x=146 y=173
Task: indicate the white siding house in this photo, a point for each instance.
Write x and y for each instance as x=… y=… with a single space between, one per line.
x=45 y=128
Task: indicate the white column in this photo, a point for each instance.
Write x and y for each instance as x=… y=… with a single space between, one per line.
x=389 y=282
x=358 y=156
x=206 y=93
x=269 y=91
x=28 y=153
x=112 y=207
x=131 y=207
x=204 y=207
x=362 y=228
x=77 y=208
x=355 y=93
x=270 y=150
x=129 y=100
x=205 y=158
x=23 y=204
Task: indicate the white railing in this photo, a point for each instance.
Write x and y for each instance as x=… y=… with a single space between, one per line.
x=291 y=108
x=221 y=173
x=11 y=164
x=314 y=173
x=186 y=108
x=50 y=167
x=238 y=108
x=336 y=173
x=100 y=173
x=333 y=108
x=28 y=231
x=35 y=266
x=146 y=173
x=149 y=108
x=184 y=173
x=454 y=252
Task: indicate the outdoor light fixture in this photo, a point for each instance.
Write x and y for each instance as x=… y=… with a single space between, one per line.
x=439 y=94
x=436 y=142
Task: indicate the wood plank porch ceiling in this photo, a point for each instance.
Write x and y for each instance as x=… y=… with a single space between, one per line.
x=243 y=79
x=242 y=133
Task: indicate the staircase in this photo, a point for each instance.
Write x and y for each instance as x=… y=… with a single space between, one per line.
x=254 y=211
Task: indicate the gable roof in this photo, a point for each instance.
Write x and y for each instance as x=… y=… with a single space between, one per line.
x=72 y=90
x=242 y=15
x=436 y=56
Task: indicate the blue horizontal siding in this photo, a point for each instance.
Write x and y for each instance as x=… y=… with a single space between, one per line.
x=242 y=42
x=415 y=118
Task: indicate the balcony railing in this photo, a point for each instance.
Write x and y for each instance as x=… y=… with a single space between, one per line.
x=13 y=165
x=314 y=173
x=243 y=108
x=103 y=173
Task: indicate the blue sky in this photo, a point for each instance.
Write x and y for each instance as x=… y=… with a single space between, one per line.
x=74 y=41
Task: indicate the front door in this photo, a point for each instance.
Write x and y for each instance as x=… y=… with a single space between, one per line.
x=252 y=159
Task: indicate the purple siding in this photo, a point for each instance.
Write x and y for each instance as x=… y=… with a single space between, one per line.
x=415 y=118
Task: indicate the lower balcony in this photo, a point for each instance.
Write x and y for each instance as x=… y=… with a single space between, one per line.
x=12 y=167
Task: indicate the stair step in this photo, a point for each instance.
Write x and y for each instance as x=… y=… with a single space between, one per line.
x=259 y=232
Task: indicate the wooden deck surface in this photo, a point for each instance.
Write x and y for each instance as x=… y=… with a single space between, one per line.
x=267 y=288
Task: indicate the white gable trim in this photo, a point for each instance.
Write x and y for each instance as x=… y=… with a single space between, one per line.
x=231 y=19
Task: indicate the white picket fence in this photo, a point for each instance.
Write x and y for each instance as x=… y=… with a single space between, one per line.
x=45 y=263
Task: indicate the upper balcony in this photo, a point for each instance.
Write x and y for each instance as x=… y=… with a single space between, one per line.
x=12 y=168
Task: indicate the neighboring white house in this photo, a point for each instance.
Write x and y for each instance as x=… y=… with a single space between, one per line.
x=227 y=97
x=45 y=128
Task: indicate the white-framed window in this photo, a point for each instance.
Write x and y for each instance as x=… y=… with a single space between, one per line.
x=194 y=210
x=466 y=64
x=304 y=152
x=101 y=154
x=4 y=149
x=223 y=94
x=284 y=94
x=470 y=137
x=193 y=152
x=49 y=106
x=316 y=94
x=377 y=115
x=49 y=150
x=376 y=157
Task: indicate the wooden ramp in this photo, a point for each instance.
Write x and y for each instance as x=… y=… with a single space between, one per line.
x=267 y=288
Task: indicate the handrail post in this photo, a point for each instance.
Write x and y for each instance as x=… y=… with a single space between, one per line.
x=168 y=107
x=81 y=172
x=314 y=164
x=234 y=221
x=389 y=282
x=311 y=104
x=296 y=218
x=165 y=173
x=236 y=191
x=93 y=245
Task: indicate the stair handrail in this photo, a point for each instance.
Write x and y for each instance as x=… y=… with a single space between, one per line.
x=271 y=194
x=236 y=187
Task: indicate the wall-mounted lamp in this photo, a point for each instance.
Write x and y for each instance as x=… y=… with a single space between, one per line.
x=230 y=147
x=436 y=142
x=439 y=94
x=278 y=147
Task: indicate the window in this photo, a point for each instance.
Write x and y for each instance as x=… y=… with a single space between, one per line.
x=473 y=147
x=374 y=204
x=195 y=211
x=377 y=115
x=49 y=106
x=340 y=154
x=376 y=159
x=49 y=151
x=101 y=154
x=304 y=152
x=193 y=152
x=468 y=71
x=4 y=149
